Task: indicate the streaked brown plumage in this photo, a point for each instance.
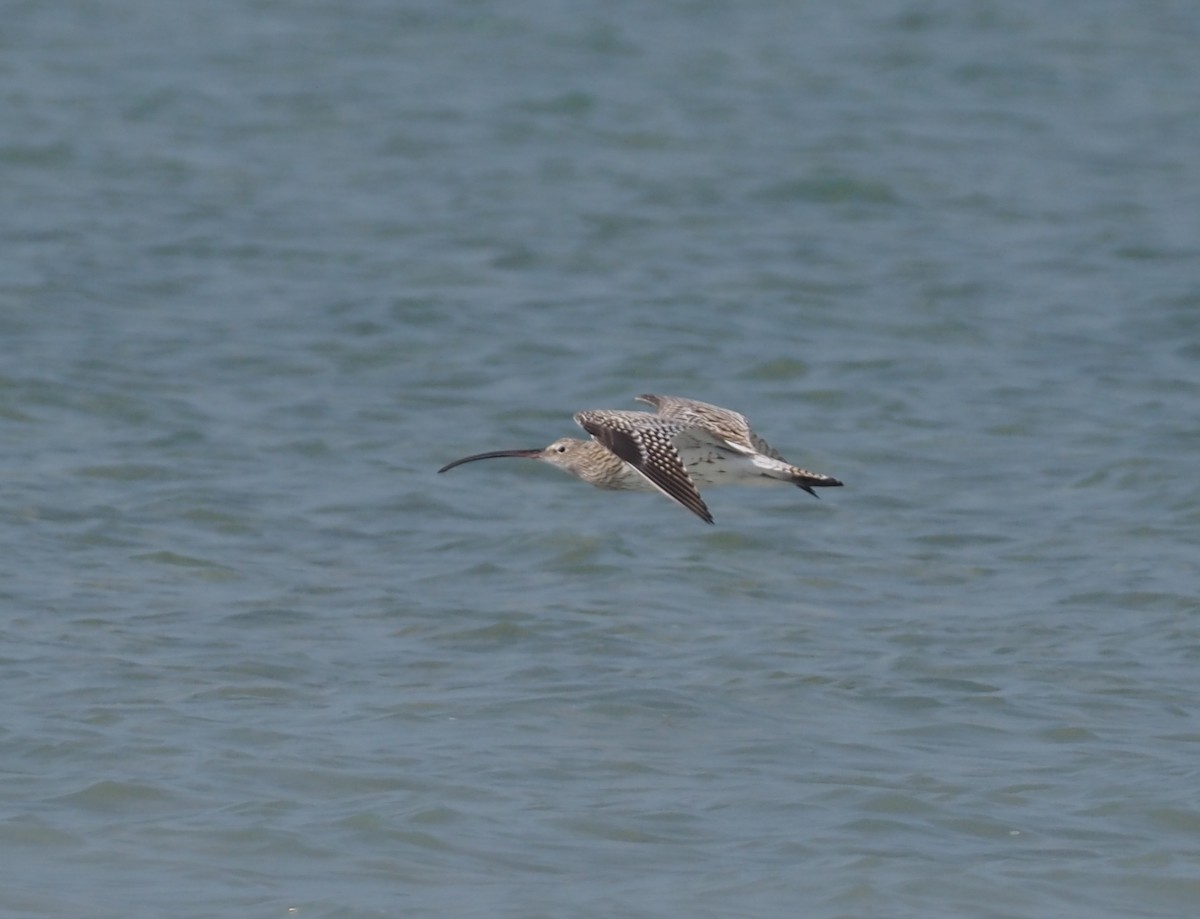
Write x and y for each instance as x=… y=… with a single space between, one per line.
x=684 y=443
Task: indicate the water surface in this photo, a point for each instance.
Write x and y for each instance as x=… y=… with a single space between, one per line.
x=268 y=266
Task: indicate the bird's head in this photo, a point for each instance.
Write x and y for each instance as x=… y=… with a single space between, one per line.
x=567 y=453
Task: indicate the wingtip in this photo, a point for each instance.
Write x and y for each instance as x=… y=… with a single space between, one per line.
x=699 y=508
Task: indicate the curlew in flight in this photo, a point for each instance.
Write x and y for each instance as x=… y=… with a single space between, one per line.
x=682 y=444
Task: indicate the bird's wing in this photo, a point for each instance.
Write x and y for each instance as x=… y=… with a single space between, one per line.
x=761 y=446
x=647 y=444
x=725 y=425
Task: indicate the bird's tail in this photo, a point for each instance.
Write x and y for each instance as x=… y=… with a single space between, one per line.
x=802 y=478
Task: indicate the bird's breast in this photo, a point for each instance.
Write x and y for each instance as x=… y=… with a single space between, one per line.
x=619 y=476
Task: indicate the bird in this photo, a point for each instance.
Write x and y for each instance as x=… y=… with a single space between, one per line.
x=679 y=446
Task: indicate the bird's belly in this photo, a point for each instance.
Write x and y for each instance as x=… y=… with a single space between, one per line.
x=717 y=467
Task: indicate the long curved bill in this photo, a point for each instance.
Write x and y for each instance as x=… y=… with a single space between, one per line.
x=495 y=454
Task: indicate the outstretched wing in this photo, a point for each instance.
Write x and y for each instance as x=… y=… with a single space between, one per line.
x=723 y=424
x=646 y=442
x=732 y=431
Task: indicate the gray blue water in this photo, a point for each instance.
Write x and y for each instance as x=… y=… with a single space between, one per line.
x=265 y=266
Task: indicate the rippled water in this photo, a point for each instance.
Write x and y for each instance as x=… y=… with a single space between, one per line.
x=267 y=266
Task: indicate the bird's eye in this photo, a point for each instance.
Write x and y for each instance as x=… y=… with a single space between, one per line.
x=561 y=448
